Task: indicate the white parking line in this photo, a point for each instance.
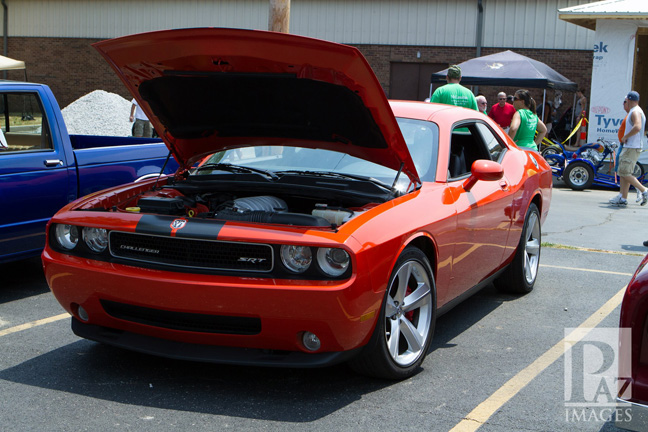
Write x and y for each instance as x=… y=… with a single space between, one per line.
x=33 y=324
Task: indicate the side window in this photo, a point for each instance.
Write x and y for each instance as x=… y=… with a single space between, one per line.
x=466 y=146
x=494 y=146
x=23 y=124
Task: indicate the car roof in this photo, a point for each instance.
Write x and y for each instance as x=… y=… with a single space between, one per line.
x=427 y=110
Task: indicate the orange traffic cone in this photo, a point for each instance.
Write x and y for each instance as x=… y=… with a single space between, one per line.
x=582 y=139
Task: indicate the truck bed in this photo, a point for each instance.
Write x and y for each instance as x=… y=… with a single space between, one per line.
x=98 y=168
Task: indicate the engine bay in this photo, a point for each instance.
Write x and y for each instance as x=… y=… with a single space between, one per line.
x=282 y=209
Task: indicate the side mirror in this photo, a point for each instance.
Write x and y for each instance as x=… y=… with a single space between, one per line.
x=483 y=170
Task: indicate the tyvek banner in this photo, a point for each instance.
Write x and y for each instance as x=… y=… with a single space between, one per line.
x=611 y=77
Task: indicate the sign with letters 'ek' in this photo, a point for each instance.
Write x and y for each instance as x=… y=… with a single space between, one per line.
x=612 y=65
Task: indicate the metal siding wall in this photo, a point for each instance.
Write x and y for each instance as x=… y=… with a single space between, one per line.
x=112 y=18
x=532 y=24
x=404 y=22
x=507 y=23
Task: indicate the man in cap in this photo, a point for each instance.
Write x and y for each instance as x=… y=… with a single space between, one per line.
x=632 y=141
x=454 y=93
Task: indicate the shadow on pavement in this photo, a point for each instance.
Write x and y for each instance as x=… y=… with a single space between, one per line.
x=639 y=247
x=466 y=314
x=288 y=395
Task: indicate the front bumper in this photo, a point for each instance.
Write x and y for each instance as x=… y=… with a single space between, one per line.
x=215 y=312
x=208 y=353
x=631 y=415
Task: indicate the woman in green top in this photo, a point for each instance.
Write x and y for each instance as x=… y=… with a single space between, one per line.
x=525 y=122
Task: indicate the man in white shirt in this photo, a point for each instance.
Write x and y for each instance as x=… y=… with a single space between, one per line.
x=142 y=126
x=632 y=141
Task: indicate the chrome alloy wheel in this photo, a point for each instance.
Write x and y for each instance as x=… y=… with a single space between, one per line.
x=532 y=248
x=408 y=313
x=579 y=176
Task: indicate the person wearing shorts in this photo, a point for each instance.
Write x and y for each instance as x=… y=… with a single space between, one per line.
x=635 y=128
x=141 y=124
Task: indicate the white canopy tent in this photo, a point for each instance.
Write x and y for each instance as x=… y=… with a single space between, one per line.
x=7 y=63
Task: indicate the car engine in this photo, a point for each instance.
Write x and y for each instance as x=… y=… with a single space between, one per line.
x=259 y=209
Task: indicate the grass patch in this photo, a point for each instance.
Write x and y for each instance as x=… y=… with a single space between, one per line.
x=559 y=246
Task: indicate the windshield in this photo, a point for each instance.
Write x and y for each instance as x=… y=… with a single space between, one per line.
x=421 y=138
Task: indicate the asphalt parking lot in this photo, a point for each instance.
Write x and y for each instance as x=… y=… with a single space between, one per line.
x=497 y=364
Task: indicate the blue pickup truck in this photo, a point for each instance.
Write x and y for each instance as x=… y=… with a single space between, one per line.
x=42 y=167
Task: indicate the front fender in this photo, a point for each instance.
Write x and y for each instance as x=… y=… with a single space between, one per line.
x=587 y=161
x=555 y=159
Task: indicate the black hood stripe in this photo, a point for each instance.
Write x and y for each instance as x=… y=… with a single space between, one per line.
x=191 y=228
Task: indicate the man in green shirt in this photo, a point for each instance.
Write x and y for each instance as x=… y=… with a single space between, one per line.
x=454 y=93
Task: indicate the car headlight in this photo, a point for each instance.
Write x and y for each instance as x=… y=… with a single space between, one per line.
x=297 y=259
x=67 y=236
x=333 y=261
x=96 y=239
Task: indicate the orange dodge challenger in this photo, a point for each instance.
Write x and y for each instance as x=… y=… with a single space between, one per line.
x=311 y=221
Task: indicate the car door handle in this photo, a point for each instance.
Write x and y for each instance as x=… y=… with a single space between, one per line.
x=504 y=185
x=53 y=162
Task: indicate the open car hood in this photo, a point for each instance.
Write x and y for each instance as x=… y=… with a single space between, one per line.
x=211 y=89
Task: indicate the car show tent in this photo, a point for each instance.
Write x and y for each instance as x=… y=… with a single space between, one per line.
x=508 y=68
x=511 y=69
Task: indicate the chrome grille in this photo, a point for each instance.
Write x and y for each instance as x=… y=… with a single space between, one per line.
x=184 y=252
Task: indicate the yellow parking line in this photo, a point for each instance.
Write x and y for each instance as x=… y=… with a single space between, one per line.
x=33 y=324
x=486 y=409
x=586 y=270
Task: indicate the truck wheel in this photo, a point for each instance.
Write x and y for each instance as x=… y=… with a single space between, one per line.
x=578 y=175
x=402 y=336
x=520 y=276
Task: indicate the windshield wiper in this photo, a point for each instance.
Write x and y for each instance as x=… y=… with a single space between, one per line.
x=237 y=169
x=340 y=176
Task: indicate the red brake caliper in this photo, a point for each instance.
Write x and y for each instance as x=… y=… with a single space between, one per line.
x=409 y=315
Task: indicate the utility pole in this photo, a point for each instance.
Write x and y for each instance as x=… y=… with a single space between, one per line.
x=279 y=16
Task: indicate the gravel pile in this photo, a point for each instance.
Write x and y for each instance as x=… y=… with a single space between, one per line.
x=98 y=113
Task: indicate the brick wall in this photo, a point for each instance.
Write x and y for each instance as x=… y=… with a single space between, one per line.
x=575 y=65
x=72 y=68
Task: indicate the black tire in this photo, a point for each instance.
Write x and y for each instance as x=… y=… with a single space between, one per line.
x=520 y=275
x=398 y=355
x=548 y=154
x=551 y=150
x=578 y=175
